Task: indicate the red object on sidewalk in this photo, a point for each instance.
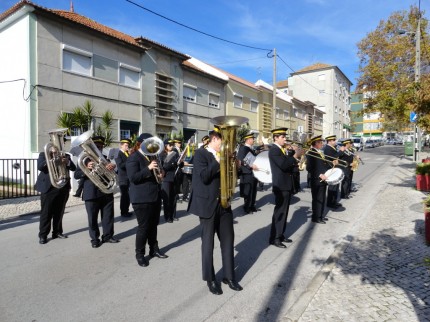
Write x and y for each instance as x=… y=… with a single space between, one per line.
x=421 y=182
x=427 y=226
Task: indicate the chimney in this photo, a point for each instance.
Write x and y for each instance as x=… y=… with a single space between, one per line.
x=71 y=6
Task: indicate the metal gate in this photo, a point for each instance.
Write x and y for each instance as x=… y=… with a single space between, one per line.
x=17 y=178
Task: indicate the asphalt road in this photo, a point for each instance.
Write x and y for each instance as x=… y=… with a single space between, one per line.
x=67 y=280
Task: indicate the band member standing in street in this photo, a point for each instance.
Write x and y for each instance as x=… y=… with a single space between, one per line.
x=53 y=200
x=188 y=162
x=281 y=163
x=248 y=183
x=97 y=201
x=169 y=160
x=205 y=203
x=347 y=180
x=205 y=141
x=316 y=165
x=330 y=150
x=179 y=178
x=145 y=196
x=123 y=182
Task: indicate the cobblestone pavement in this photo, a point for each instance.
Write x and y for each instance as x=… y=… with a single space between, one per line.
x=381 y=274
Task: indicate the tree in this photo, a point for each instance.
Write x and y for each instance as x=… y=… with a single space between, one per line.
x=387 y=68
x=242 y=131
x=104 y=128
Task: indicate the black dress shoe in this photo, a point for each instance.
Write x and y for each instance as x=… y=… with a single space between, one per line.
x=158 y=254
x=325 y=219
x=141 y=261
x=43 y=240
x=278 y=244
x=233 y=284
x=214 y=287
x=96 y=244
x=254 y=209
x=128 y=214
x=287 y=240
x=247 y=211
x=318 y=221
x=111 y=240
x=61 y=236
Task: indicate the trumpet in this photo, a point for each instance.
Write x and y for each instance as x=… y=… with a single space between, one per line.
x=152 y=147
x=327 y=158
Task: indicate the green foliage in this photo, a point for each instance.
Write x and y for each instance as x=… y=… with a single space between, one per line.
x=387 y=68
x=420 y=168
x=242 y=131
x=104 y=129
x=65 y=120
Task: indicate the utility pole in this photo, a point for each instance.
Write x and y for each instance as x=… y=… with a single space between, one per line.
x=417 y=75
x=274 y=90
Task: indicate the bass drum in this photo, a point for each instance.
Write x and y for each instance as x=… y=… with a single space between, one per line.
x=334 y=176
x=264 y=173
x=187 y=169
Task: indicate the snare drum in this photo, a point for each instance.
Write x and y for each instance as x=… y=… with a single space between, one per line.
x=188 y=169
x=334 y=176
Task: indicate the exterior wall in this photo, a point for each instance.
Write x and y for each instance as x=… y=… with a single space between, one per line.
x=196 y=115
x=247 y=94
x=15 y=111
x=356 y=118
x=60 y=90
x=330 y=93
x=265 y=114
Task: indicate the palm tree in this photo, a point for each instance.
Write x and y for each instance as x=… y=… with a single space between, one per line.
x=104 y=129
x=65 y=120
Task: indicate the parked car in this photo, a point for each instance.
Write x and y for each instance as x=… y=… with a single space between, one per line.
x=358 y=143
x=369 y=144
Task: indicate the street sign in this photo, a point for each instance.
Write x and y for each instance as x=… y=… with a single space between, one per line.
x=413 y=117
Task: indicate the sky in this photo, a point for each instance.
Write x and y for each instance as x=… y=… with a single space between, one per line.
x=303 y=32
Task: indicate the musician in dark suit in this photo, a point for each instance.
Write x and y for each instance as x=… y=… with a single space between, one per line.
x=177 y=146
x=348 y=157
x=53 y=200
x=145 y=196
x=316 y=165
x=282 y=164
x=205 y=203
x=248 y=183
x=205 y=141
x=188 y=176
x=123 y=182
x=169 y=160
x=97 y=201
x=330 y=150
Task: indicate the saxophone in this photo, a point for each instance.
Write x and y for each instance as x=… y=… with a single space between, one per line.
x=228 y=166
x=54 y=155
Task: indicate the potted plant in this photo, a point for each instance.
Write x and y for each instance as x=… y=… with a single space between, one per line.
x=420 y=177
x=427 y=219
x=426 y=171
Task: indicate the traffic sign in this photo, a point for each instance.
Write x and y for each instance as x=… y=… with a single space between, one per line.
x=413 y=117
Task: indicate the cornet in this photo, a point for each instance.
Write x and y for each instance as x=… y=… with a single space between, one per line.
x=151 y=148
x=54 y=155
x=103 y=178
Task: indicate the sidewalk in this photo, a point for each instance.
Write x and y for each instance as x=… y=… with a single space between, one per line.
x=378 y=273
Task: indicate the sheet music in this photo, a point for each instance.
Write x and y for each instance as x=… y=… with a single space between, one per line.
x=249 y=159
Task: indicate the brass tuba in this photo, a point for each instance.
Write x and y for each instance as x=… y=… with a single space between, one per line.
x=228 y=167
x=152 y=147
x=103 y=178
x=54 y=154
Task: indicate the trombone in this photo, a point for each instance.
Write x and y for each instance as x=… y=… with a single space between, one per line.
x=326 y=158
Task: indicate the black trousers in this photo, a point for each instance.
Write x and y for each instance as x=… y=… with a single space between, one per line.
x=124 y=202
x=318 y=198
x=104 y=205
x=186 y=185
x=346 y=184
x=220 y=223
x=52 y=203
x=148 y=217
x=280 y=214
x=332 y=191
x=249 y=192
x=168 y=195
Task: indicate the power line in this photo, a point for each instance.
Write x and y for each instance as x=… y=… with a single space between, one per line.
x=196 y=30
x=23 y=88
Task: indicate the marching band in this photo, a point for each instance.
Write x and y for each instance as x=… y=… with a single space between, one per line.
x=152 y=174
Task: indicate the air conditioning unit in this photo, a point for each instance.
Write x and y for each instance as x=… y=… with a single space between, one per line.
x=300 y=129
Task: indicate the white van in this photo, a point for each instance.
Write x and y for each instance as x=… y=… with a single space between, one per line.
x=358 y=143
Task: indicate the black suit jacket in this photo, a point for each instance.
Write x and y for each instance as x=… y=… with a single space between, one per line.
x=246 y=173
x=143 y=185
x=121 y=161
x=282 y=167
x=316 y=166
x=331 y=152
x=43 y=183
x=205 y=184
x=170 y=165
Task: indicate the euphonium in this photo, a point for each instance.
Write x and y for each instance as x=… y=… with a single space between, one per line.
x=152 y=147
x=228 y=167
x=103 y=178
x=302 y=163
x=54 y=154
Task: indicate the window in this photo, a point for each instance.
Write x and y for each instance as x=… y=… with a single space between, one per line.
x=213 y=100
x=335 y=93
x=238 y=101
x=128 y=129
x=75 y=131
x=105 y=68
x=124 y=134
x=189 y=93
x=321 y=92
x=286 y=115
x=76 y=60
x=129 y=75
x=277 y=113
x=321 y=77
x=335 y=109
x=254 y=106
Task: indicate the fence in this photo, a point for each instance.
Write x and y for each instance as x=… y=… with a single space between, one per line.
x=17 y=178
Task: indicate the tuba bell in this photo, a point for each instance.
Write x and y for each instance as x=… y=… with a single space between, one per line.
x=54 y=154
x=103 y=178
x=228 y=166
x=152 y=147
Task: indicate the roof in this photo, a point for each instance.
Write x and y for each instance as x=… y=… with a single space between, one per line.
x=197 y=65
x=318 y=67
x=238 y=79
x=282 y=84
